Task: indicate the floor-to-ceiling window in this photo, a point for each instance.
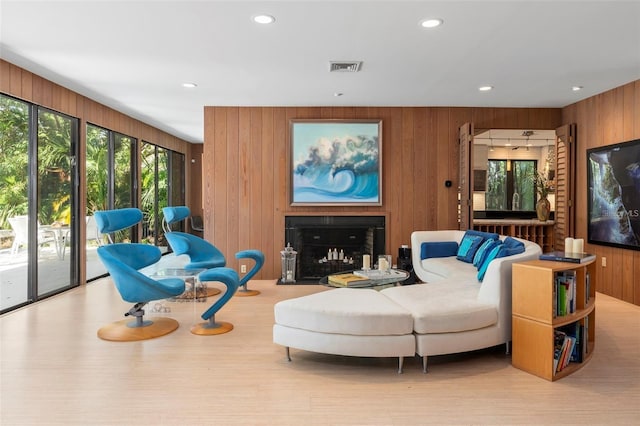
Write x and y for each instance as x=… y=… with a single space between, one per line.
x=110 y=171
x=38 y=207
x=162 y=184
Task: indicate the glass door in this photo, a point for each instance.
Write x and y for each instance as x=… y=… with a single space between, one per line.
x=38 y=194
x=14 y=202
x=54 y=229
x=110 y=168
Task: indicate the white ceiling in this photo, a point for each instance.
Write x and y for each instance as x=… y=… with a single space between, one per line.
x=134 y=55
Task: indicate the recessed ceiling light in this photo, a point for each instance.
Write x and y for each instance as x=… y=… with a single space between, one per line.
x=189 y=85
x=485 y=88
x=338 y=94
x=576 y=88
x=264 y=19
x=431 y=22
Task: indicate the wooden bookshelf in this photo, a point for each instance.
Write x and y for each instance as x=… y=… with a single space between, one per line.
x=536 y=319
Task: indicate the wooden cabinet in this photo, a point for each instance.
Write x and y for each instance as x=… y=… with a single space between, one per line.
x=539 y=321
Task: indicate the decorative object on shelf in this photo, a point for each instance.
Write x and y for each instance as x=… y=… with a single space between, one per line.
x=543 y=188
x=288 y=257
x=336 y=162
x=543 y=208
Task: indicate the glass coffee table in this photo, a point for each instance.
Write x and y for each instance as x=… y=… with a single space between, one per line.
x=372 y=278
x=195 y=290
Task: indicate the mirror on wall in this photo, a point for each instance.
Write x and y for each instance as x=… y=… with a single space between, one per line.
x=504 y=161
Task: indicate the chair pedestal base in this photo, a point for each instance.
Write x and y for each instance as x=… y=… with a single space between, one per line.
x=121 y=331
x=208 y=328
x=244 y=293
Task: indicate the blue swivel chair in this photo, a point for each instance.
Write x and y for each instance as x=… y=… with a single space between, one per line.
x=123 y=260
x=202 y=254
x=229 y=278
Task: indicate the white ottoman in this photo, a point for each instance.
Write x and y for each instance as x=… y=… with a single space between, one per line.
x=345 y=321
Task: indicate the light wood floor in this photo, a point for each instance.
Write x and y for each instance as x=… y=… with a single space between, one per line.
x=55 y=371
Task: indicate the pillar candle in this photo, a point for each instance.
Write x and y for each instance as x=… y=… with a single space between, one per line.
x=568 y=245
x=382 y=264
x=366 y=261
x=578 y=245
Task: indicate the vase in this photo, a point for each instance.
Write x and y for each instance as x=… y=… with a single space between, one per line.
x=543 y=208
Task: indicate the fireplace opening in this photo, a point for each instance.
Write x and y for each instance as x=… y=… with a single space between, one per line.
x=332 y=244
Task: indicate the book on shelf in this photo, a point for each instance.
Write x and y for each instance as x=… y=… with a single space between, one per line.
x=576 y=331
x=564 y=345
x=562 y=256
x=565 y=293
x=348 y=280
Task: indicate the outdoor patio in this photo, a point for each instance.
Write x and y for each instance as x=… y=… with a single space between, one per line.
x=53 y=272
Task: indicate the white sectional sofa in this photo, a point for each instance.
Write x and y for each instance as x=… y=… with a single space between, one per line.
x=452 y=311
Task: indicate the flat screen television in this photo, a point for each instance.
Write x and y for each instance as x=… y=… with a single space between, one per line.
x=613 y=185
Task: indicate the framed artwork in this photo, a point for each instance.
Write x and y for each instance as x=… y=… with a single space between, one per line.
x=613 y=197
x=336 y=162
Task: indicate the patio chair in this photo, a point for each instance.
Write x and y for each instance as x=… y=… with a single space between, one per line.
x=123 y=260
x=20 y=226
x=197 y=224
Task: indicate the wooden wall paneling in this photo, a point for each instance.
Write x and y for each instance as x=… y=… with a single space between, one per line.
x=235 y=192
x=422 y=174
x=245 y=132
x=195 y=201
x=280 y=189
x=27 y=85
x=483 y=118
x=15 y=81
x=257 y=175
x=216 y=216
x=392 y=173
x=443 y=208
x=265 y=214
x=6 y=71
x=404 y=187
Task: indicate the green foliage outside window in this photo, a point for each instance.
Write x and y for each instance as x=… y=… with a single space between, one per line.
x=510 y=189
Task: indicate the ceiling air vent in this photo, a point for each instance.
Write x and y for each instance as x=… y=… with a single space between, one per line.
x=343 y=66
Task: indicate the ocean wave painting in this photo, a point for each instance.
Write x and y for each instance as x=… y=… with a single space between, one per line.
x=336 y=162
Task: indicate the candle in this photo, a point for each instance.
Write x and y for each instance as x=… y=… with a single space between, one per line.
x=366 y=261
x=578 y=245
x=568 y=245
x=382 y=264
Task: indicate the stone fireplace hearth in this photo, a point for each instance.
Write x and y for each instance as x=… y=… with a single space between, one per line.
x=313 y=236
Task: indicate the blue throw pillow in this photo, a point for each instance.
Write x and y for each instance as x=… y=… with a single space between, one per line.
x=510 y=247
x=484 y=235
x=438 y=249
x=468 y=247
x=483 y=250
x=495 y=251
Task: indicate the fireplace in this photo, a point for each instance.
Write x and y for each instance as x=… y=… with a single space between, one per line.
x=349 y=236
